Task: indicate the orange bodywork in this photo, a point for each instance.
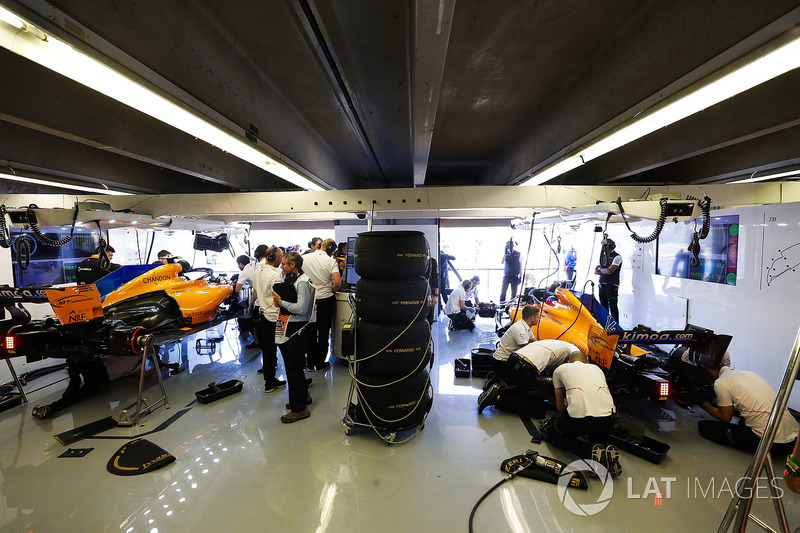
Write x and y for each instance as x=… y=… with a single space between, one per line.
x=557 y=320
x=198 y=299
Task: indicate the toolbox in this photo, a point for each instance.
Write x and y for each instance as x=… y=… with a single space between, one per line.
x=227 y=388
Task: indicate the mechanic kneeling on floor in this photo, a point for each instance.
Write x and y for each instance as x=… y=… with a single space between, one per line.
x=587 y=409
x=752 y=397
x=520 y=390
x=457 y=308
x=515 y=337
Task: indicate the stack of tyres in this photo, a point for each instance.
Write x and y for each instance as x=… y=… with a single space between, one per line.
x=394 y=354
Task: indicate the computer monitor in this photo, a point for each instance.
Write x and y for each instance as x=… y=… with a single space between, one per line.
x=350 y=275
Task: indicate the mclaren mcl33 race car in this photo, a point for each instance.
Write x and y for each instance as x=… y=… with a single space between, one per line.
x=120 y=313
x=634 y=366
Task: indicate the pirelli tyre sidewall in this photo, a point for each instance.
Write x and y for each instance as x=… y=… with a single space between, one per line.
x=391 y=254
x=399 y=301
x=393 y=350
x=394 y=405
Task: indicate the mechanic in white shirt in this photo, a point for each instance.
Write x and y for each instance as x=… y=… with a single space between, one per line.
x=749 y=395
x=472 y=294
x=323 y=270
x=457 y=307
x=512 y=386
x=587 y=408
x=245 y=279
x=267 y=274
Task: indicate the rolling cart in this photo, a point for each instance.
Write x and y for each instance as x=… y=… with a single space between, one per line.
x=359 y=414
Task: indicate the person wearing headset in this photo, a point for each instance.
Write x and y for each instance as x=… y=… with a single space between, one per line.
x=313 y=245
x=609 y=280
x=512 y=268
x=323 y=270
x=89 y=270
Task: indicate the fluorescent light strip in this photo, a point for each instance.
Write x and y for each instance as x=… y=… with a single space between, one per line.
x=769 y=177
x=35 y=181
x=74 y=64
x=555 y=170
x=763 y=69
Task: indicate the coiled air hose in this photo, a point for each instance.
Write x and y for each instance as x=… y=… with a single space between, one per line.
x=30 y=218
x=5 y=230
x=662 y=218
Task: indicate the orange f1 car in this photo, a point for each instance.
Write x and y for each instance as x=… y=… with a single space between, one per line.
x=112 y=315
x=634 y=367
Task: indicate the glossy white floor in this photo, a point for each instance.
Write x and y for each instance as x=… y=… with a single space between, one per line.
x=239 y=468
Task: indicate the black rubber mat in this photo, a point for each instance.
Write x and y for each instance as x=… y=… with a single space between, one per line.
x=79 y=433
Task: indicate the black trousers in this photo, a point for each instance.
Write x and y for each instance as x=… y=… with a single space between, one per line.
x=293 y=353
x=509 y=280
x=460 y=321
x=86 y=378
x=320 y=332
x=608 y=299
x=525 y=397
x=739 y=436
x=269 y=350
x=566 y=431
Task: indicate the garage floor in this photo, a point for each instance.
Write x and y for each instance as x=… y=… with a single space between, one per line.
x=239 y=468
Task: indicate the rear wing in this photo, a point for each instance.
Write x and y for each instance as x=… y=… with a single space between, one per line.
x=34 y=294
x=702 y=340
x=70 y=304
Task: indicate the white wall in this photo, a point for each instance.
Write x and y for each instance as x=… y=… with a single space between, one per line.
x=761 y=313
x=431 y=231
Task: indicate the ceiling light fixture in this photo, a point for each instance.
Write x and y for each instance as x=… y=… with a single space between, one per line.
x=47 y=183
x=768 y=177
x=760 y=70
x=20 y=37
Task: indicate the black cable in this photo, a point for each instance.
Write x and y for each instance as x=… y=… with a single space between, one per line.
x=103 y=262
x=485 y=494
x=558 y=261
x=697 y=236
x=662 y=218
x=30 y=218
x=512 y=475
x=579 y=308
x=23 y=252
x=150 y=249
x=525 y=267
x=5 y=231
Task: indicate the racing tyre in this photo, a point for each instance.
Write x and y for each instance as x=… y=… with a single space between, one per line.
x=399 y=301
x=391 y=254
x=397 y=405
x=393 y=350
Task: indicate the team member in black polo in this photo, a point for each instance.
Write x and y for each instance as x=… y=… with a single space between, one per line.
x=609 y=281
x=89 y=270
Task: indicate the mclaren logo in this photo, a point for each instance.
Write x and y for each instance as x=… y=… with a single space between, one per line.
x=70 y=300
x=156 y=279
x=22 y=293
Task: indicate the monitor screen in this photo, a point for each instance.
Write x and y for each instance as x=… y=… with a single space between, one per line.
x=718 y=252
x=51 y=265
x=350 y=276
